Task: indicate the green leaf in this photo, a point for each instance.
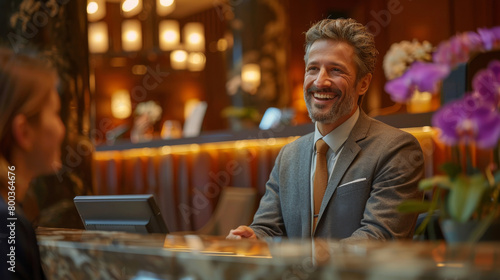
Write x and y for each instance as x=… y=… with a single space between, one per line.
x=432 y=207
x=439 y=181
x=451 y=169
x=414 y=206
x=465 y=195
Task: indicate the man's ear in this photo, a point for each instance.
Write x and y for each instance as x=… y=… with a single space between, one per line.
x=22 y=132
x=364 y=84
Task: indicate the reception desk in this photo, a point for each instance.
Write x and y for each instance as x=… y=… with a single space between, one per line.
x=187 y=175
x=78 y=254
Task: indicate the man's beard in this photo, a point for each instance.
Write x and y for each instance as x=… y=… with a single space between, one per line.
x=337 y=111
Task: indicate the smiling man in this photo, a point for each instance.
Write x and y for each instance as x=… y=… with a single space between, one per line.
x=346 y=178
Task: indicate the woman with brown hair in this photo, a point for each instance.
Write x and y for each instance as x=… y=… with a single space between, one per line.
x=31 y=134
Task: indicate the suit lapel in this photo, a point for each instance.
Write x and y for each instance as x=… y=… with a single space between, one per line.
x=304 y=182
x=346 y=157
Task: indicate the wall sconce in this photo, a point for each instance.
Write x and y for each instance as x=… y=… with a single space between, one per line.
x=131 y=8
x=194 y=36
x=196 y=61
x=165 y=7
x=131 y=35
x=250 y=77
x=120 y=104
x=178 y=59
x=169 y=35
x=96 y=9
x=98 y=37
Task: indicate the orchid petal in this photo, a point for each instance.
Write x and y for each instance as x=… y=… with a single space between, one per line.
x=468 y=119
x=484 y=85
x=426 y=76
x=400 y=88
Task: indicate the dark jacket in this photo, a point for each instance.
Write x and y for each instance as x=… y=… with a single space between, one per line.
x=27 y=256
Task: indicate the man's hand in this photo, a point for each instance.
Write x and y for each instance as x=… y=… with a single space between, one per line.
x=241 y=232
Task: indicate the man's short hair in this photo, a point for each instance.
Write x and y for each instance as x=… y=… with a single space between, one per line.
x=351 y=32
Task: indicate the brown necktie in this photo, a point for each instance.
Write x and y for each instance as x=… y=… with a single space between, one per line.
x=320 y=177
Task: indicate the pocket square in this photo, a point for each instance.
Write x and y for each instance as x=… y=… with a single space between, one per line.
x=352 y=182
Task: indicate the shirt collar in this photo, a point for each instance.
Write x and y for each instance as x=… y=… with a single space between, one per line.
x=336 y=138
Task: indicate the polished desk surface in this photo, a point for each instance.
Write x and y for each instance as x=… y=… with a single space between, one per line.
x=79 y=254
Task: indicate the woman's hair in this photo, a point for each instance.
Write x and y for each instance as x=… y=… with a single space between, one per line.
x=351 y=32
x=25 y=85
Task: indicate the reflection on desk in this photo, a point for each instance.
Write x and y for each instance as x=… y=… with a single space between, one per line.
x=78 y=254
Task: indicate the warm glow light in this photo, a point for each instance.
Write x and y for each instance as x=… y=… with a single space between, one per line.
x=222 y=45
x=194 y=148
x=98 y=37
x=166 y=3
x=178 y=59
x=145 y=152
x=131 y=35
x=92 y=7
x=196 y=58
x=195 y=36
x=164 y=7
x=121 y=107
x=271 y=141
x=96 y=10
x=166 y=150
x=196 y=61
x=250 y=77
x=131 y=7
x=240 y=144
x=169 y=35
x=179 y=56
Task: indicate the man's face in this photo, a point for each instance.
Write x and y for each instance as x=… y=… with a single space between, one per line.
x=330 y=89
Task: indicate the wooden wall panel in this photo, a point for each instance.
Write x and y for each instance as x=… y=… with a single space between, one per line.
x=392 y=21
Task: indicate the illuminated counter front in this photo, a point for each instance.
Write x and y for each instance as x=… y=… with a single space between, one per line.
x=187 y=175
x=77 y=254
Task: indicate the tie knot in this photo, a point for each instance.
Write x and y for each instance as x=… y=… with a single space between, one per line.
x=321 y=147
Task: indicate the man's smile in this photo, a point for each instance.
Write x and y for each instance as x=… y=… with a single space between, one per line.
x=326 y=94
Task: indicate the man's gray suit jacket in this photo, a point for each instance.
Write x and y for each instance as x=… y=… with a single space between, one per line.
x=379 y=167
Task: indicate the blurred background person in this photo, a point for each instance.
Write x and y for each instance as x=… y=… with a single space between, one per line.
x=31 y=134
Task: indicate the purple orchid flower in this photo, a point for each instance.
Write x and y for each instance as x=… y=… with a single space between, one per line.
x=487 y=37
x=419 y=76
x=486 y=83
x=468 y=120
x=490 y=37
x=458 y=49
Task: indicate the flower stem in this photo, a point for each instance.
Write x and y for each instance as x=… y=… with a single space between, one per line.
x=469 y=160
x=433 y=207
x=455 y=155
